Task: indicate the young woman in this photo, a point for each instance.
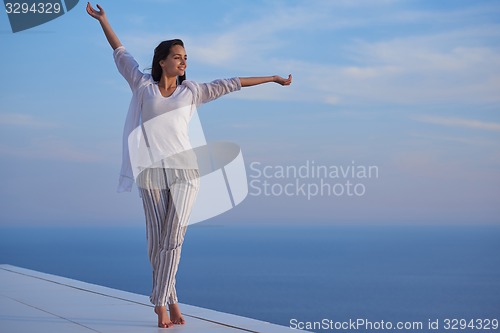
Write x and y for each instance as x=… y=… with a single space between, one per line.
x=167 y=177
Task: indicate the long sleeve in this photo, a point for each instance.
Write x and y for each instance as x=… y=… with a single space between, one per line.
x=129 y=68
x=206 y=92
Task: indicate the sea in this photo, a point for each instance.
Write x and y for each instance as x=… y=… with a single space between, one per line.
x=294 y=275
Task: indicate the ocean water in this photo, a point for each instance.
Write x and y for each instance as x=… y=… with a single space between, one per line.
x=290 y=273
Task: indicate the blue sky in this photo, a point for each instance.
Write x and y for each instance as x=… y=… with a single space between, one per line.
x=412 y=87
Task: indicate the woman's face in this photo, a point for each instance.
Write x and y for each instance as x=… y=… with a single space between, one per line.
x=175 y=63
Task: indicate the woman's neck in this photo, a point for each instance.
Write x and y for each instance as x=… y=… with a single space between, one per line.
x=167 y=82
x=167 y=85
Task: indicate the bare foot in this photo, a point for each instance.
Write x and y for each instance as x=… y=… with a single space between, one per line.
x=175 y=314
x=163 y=318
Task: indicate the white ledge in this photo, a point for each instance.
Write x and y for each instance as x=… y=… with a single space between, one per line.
x=32 y=301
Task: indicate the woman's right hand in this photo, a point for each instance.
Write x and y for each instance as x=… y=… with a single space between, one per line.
x=98 y=15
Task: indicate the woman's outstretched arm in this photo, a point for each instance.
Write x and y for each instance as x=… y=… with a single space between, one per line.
x=253 y=81
x=106 y=27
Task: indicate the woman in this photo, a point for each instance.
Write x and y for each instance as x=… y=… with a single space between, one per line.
x=156 y=152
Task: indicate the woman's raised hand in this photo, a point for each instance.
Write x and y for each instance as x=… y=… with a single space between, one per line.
x=98 y=15
x=281 y=80
x=106 y=27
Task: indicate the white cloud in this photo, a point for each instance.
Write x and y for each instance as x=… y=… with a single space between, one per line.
x=459 y=122
x=474 y=141
x=24 y=120
x=52 y=148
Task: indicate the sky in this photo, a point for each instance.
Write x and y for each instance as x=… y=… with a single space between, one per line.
x=407 y=89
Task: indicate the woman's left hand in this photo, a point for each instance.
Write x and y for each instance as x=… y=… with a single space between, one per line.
x=281 y=80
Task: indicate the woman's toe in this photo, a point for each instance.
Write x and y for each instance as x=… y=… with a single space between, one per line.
x=166 y=325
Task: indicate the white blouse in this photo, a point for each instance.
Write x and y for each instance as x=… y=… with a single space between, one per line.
x=156 y=132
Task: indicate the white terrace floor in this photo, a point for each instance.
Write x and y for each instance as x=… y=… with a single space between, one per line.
x=36 y=302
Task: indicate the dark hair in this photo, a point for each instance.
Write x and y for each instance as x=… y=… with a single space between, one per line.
x=161 y=52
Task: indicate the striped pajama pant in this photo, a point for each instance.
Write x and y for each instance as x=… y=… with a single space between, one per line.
x=168 y=196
